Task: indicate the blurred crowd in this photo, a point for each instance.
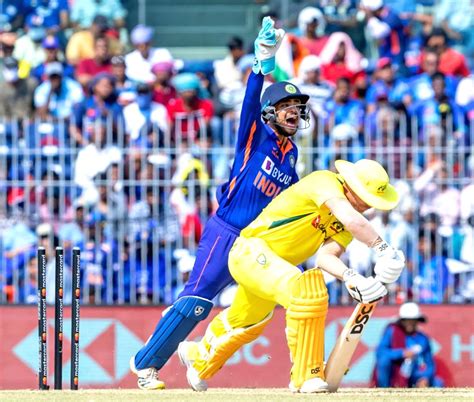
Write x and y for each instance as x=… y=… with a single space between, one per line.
x=109 y=143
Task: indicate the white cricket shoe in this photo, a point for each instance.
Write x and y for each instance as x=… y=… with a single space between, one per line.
x=310 y=386
x=147 y=378
x=192 y=375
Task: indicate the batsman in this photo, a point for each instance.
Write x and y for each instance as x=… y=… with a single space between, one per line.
x=321 y=213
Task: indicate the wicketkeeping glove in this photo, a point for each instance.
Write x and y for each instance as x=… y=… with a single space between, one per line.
x=266 y=45
x=362 y=289
x=390 y=263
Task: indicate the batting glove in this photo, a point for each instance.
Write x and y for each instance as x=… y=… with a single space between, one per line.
x=362 y=289
x=266 y=45
x=390 y=263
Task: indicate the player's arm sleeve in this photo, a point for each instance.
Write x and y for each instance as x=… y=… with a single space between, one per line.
x=385 y=346
x=250 y=113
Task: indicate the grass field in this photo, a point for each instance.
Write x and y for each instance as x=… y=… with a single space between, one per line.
x=242 y=395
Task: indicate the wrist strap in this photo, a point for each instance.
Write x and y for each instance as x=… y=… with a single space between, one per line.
x=347 y=274
x=380 y=247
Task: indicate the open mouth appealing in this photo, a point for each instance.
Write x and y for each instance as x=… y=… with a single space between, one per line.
x=291 y=122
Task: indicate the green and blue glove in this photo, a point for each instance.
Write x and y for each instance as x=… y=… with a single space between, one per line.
x=266 y=45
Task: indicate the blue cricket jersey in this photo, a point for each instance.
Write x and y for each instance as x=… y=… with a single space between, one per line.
x=262 y=168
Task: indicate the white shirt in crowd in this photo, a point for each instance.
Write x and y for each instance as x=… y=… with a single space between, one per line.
x=135 y=120
x=139 y=69
x=91 y=161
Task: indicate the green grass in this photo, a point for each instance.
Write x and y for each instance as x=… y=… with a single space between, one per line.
x=242 y=395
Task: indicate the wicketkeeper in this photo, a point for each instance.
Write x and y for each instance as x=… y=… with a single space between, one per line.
x=264 y=165
x=321 y=213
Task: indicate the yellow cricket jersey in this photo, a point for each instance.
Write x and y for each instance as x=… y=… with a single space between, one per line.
x=296 y=223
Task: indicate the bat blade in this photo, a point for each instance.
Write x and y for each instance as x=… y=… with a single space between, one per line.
x=346 y=344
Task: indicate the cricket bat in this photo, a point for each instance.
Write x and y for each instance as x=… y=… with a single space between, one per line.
x=346 y=344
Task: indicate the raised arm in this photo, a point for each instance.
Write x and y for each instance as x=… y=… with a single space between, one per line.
x=266 y=45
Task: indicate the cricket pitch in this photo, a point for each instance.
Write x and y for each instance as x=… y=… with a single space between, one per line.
x=242 y=395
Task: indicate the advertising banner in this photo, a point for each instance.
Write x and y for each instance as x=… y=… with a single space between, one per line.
x=109 y=336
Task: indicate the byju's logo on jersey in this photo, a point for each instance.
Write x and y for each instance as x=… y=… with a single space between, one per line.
x=267 y=165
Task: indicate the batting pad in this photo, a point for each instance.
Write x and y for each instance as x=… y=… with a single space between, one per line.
x=216 y=348
x=305 y=318
x=173 y=328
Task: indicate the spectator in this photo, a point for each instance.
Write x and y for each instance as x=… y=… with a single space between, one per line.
x=11 y=13
x=56 y=208
x=310 y=80
x=441 y=111
x=386 y=28
x=93 y=159
x=16 y=94
x=100 y=105
x=81 y=44
x=437 y=193
x=87 y=69
x=231 y=97
x=451 y=62
x=341 y=59
x=50 y=45
x=140 y=61
x=83 y=12
x=421 y=84
x=465 y=95
x=190 y=183
x=7 y=45
x=122 y=84
x=189 y=114
x=28 y=50
x=343 y=109
x=342 y=143
x=145 y=121
x=397 y=90
x=55 y=13
x=404 y=357
x=434 y=283
x=341 y=15
x=111 y=203
x=311 y=24
x=58 y=95
x=163 y=90
x=226 y=71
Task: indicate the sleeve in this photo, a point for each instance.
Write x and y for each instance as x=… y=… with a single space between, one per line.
x=378 y=29
x=385 y=348
x=325 y=186
x=77 y=94
x=250 y=113
x=72 y=48
x=40 y=96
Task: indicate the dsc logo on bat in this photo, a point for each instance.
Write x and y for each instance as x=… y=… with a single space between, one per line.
x=362 y=318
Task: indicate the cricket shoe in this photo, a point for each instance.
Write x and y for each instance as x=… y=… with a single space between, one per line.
x=192 y=375
x=147 y=378
x=310 y=386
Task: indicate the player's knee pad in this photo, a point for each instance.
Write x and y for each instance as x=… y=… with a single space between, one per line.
x=175 y=325
x=221 y=341
x=305 y=318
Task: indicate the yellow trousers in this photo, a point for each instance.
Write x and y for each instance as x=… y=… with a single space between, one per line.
x=264 y=280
